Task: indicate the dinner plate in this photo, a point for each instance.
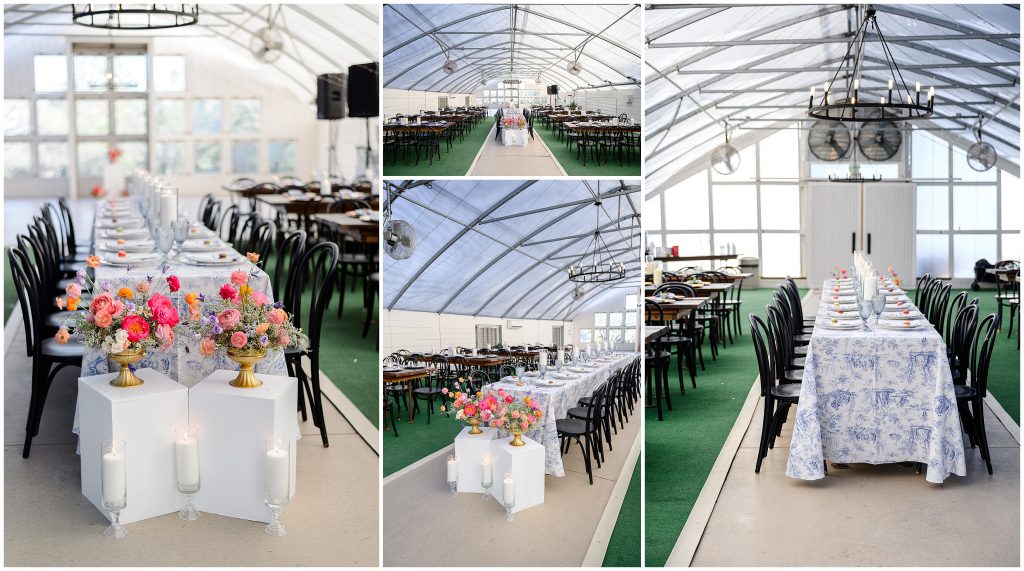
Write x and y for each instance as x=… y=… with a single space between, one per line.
x=895 y=313
x=199 y=232
x=132 y=258
x=115 y=223
x=125 y=233
x=578 y=369
x=203 y=245
x=903 y=325
x=128 y=245
x=842 y=325
x=896 y=317
x=549 y=383
x=213 y=259
x=531 y=374
x=562 y=376
x=392 y=369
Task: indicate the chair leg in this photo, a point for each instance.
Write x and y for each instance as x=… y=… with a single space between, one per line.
x=979 y=418
x=318 y=407
x=586 y=458
x=762 y=449
x=32 y=408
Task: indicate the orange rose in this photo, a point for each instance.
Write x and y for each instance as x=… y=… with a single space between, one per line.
x=253 y=257
x=102 y=319
x=62 y=335
x=262 y=328
x=73 y=303
x=92 y=261
x=191 y=298
x=60 y=303
x=125 y=293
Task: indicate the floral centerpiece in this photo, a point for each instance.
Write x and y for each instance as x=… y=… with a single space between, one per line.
x=495 y=408
x=244 y=322
x=514 y=122
x=125 y=322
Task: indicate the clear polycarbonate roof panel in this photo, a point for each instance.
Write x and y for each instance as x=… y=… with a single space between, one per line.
x=321 y=38
x=500 y=248
x=685 y=113
x=419 y=38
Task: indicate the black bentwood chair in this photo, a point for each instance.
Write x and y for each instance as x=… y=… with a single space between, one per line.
x=777 y=398
x=317 y=270
x=974 y=392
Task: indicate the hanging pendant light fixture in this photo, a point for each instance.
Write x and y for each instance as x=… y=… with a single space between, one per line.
x=901 y=104
x=597 y=271
x=135 y=16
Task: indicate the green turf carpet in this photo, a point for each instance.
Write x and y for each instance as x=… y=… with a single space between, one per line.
x=624 y=545
x=681 y=450
x=419 y=439
x=453 y=162
x=574 y=166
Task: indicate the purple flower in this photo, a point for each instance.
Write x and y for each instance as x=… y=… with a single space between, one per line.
x=255 y=272
x=278 y=305
x=105 y=285
x=217 y=329
x=128 y=269
x=264 y=340
x=164 y=268
x=80 y=280
x=130 y=306
x=149 y=278
x=80 y=274
x=202 y=297
x=132 y=368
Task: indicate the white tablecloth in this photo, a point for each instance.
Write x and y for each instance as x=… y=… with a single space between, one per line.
x=877 y=397
x=555 y=403
x=517 y=137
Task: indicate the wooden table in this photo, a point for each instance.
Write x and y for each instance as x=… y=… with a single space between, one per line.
x=681 y=306
x=366 y=230
x=711 y=290
x=391 y=377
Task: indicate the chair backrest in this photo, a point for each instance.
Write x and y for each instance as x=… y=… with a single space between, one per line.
x=955 y=307
x=964 y=325
x=204 y=204
x=922 y=283
x=938 y=307
x=211 y=217
x=227 y=226
x=506 y=371
x=653 y=312
x=22 y=276
x=261 y=239
x=319 y=265
x=287 y=264
x=479 y=378
x=981 y=353
x=676 y=288
x=243 y=235
x=760 y=334
x=65 y=212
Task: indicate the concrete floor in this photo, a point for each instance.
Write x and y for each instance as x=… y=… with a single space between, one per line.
x=332 y=521
x=865 y=515
x=424 y=526
x=531 y=160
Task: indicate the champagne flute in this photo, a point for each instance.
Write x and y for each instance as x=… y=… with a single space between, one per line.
x=181 y=226
x=878 y=304
x=164 y=241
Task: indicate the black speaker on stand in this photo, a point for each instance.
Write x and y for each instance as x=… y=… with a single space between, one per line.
x=553 y=91
x=364 y=96
x=330 y=106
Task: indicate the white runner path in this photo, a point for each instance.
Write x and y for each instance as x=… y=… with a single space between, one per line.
x=496 y=159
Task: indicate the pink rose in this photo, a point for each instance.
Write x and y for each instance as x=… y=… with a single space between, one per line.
x=239 y=277
x=444 y=390
x=284 y=340
x=102 y=319
x=207 y=347
x=238 y=339
x=227 y=292
x=524 y=425
x=470 y=409
x=515 y=414
x=229 y=318
x=101 y=302
x=166 y=336
x=277 y=316
x=260 y=298
x=173 y=284
x=73 y=290
x=142 y=287
x=163 y=310
x=115 y=308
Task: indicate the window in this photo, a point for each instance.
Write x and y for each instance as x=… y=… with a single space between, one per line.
x=207 y=157
x=207 y=116
x=488 y=335
x=169 y=73
x=170 y=116
x=136 y=155
x=53 y=160
x=585 y=336
x=50 y=73
x=557 y=335
x=91 y=158
x=17 y=159
x=91 y=73
x=51 y=117
x=92 y=117
x=245 y=157
x=170 y=158
x=281 y=156
x=130 y=116
x=17 y=117
x=245 y=115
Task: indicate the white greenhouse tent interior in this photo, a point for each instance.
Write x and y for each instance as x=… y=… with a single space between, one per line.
x=489 y=267
x=201 y=107
x=742 y=165
x=493 y=42
x=754 y=78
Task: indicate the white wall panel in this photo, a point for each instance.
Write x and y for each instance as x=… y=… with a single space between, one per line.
x=412 y=102
x=422 y=331
x=610 y=101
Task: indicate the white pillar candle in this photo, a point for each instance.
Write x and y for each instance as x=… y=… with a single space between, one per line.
x=453 y=470
x=508 y=490
x=168 y=209
x=657 y=276
x=277 y=471
x=187 y=454
x=486 y=474
x=451 y=350
x=115 y=477
x=474 y=351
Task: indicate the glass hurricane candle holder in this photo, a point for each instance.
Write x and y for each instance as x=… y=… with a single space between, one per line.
x=114 y=478
x=453 y=475
x=186 y=453
x=508 y=495
x=277 y=470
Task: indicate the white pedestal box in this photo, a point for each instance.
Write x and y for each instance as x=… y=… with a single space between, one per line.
x=470 y=450
x=145 y=418
x=233 y=425
x=526 y=464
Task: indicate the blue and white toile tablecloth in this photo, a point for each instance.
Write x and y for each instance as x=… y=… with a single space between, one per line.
x=877 y=397
x=555 y=403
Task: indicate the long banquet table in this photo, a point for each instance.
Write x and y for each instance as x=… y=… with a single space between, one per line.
x=876 y=397
x=555 y=402
x=182 y=363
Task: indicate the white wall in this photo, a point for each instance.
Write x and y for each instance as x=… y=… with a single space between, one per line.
x=610 y=101
x=422 y=331
x=412 y=102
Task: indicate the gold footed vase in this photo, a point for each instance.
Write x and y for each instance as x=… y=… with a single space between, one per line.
x=474 y=424
x=246 y=360
x=517 y=439
x=125 y=377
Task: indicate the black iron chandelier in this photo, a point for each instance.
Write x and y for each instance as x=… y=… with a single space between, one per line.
x=846 y=105
x=597 y=271
x=135 y=16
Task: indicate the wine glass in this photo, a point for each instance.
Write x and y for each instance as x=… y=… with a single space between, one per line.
x=865 y=309
x=878 y=304
x=520 y=370
x=114 y=479
x=542 y=366
x=181 y=226
x=164 y=240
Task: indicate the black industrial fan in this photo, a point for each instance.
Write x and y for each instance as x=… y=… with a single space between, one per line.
x=829 y=140
x=879 y=141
